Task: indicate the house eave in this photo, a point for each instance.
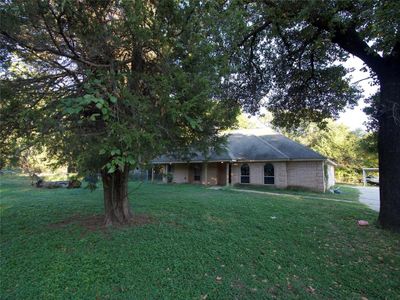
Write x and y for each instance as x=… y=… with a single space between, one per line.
x=329 y=161
x=242 y=161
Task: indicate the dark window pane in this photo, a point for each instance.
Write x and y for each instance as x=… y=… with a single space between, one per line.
x=245 y=170
x=268 y=170
x=245 y=174
x=244 y=179
x=269 y=180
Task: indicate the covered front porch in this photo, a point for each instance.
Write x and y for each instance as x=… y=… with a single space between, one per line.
x=207 y=173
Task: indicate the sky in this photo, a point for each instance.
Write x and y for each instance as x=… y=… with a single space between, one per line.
x=355 y=118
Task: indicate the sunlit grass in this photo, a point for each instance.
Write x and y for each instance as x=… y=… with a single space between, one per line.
x=347 y=193
x=213 y=244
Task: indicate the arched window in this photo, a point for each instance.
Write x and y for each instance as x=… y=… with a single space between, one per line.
x=245 y=174
x=269 y=176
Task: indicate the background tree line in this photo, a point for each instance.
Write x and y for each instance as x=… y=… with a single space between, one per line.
x=350 y=149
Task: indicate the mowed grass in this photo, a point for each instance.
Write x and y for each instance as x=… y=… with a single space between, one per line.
x=202 y=244
x=348 y=193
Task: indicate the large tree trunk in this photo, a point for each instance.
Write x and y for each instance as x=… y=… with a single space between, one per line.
x=116 y=203
x=389 y=149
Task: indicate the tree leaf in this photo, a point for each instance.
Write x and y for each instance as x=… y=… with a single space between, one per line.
x=115 y=151
x=113 y=99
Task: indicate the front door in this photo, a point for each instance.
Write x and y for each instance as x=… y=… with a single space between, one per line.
x=223 y=168
x=196 y=173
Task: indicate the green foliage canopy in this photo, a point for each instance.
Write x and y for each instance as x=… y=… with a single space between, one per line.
x=351 y=150
x=288 y=54
x=112 y=83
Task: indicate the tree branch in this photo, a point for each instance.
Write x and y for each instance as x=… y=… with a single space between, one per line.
x=254 y=32
x=358 y=81
x=51 y=51
x=61 y=32
x=349 y=40
x=395 y=53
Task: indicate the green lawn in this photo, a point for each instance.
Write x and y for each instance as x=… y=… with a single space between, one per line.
x=201 y=244
x=348 y=193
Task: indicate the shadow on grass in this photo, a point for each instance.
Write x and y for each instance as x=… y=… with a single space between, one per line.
x=95 y=222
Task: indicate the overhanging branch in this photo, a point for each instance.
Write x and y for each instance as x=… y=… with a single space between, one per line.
x=22 y=44
x=254 y=33
x=350 y=40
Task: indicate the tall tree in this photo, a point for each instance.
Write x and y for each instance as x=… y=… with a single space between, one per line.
x=109 y=85
x=351 y=150
x=290 y=51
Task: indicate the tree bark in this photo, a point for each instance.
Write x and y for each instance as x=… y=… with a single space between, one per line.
x=389 y=148
x=116 y=202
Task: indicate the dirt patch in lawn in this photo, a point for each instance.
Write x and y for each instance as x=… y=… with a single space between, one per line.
x=96 y=222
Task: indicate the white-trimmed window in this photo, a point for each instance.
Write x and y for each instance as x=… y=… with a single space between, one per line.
x=245 y=174
x=269 y=174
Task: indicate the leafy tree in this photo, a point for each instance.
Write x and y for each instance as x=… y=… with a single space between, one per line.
x=111 y=84
x=290 y=51
x=244 y=121
x=351 y=150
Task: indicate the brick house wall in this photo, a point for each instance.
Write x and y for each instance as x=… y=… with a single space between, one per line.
x=308 y=174
x=303 y=174
x=180 y=173
x=211 y=174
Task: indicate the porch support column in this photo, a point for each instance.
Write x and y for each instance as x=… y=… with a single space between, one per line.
x=205 y=174
x=227 y=174
x=364 y=177
x=152 y=173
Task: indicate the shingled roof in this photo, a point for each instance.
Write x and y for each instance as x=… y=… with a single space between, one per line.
x=254 y=145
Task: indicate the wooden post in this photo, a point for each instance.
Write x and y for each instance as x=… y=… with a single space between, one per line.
x=165 y=178
x=206 y=174
x=364 y=177
x=227 y=174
